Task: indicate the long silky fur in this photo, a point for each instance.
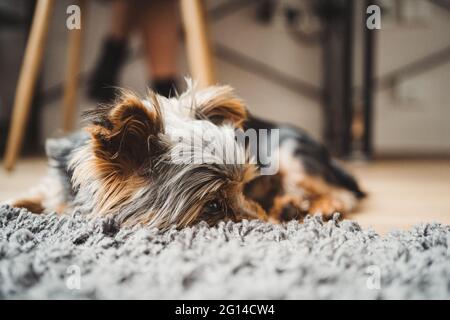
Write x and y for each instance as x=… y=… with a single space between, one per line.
x=169 y=192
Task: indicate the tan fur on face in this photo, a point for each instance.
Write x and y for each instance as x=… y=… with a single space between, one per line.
x=264 y=189
x=236 y=206
x=251 y=210
x=242 y=207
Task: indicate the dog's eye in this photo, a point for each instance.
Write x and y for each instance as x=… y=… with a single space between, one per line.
x=212 y=206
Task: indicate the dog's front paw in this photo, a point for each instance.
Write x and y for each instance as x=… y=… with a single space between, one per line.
x=287 y=208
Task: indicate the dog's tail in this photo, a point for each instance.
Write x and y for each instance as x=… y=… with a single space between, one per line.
x=346 y=180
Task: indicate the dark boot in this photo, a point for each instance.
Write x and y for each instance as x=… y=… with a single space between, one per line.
x=104 y=79
x=166 y=87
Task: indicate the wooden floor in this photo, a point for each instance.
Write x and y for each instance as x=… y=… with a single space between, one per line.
x=401 y=193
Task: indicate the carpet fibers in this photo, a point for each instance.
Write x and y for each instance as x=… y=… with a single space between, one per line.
x=54 y=257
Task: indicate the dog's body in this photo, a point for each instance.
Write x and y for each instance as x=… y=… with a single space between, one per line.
x=123 y=165
x=308 y=181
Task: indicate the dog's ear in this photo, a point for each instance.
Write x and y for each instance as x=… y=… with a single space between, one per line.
x=219 y=104
x=127 y=133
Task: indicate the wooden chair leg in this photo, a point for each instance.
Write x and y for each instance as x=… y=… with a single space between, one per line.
x=74 y=54
x=197 y=42
x=27 y=80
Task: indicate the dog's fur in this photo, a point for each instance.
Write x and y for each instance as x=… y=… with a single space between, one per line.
x=121 y=165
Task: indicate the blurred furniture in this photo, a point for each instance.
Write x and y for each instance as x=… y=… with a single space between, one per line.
x=29 y=74
x=197 y=42
x=198 y=50
x=27 y=79
x=338 y=76
x=15 y=21
x=368 y=87
x=72 y=72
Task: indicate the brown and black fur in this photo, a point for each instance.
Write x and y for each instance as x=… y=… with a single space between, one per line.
x=322 y=180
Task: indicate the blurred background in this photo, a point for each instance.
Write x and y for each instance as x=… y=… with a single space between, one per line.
x=379 y=99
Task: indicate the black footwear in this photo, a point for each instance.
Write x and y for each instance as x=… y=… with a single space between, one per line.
x=104 y=79
x=166 y=87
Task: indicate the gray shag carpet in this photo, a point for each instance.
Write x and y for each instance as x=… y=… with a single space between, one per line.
x=54 y=257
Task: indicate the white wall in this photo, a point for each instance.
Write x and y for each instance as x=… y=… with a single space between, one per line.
x=413 y=117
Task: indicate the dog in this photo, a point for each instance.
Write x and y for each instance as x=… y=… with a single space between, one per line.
x=135 y=160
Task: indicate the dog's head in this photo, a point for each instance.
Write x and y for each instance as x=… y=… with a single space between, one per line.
x=165 y=162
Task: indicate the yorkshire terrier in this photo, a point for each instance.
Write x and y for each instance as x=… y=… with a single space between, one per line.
x=144 y=161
